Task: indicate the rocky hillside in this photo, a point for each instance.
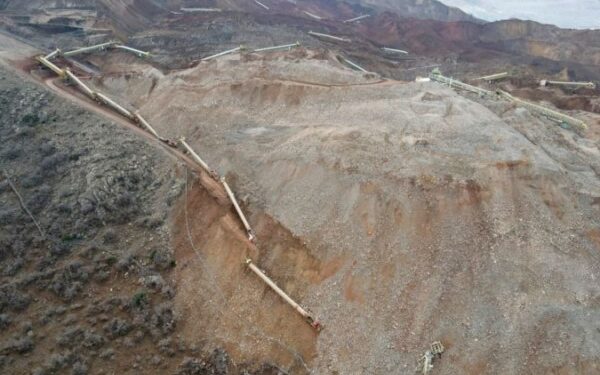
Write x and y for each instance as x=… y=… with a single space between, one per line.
x=86 y=259
x=398 y=212
x=423 y=9
x=414 y=213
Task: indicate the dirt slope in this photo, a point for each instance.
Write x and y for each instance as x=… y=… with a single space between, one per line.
x=423 y=214
x=400 y=213
x=91 y=291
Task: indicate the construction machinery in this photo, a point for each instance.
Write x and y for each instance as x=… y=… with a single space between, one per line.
x=327 y=36
x=425 y=363
x=249 y=231
x=574 y=85
x=305 y=314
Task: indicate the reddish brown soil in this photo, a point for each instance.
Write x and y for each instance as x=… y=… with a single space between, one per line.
x=218 y=297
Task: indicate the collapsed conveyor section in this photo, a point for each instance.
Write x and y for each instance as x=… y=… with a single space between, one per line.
x=137 y=119
x=537 y=109
x=98 y=47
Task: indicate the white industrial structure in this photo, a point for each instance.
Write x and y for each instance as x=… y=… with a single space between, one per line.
x=261 y=4
x=437 y=76
x=97 y=47
x=86 y=90
x=494 y=77
x=550 y=114
x=575 y=85
x=132 y=50
x=194 y=10
x=394 y=50
x=357 y=18
x=274 y=48
x=305 y=314
x=236 y=49
x=354 y=65
x=327 y=36
x=53 y=54
x=312 y=15
x=114 y=105
x=198 y=159
x=58 y=71
x=142 y=121
x=249 y=231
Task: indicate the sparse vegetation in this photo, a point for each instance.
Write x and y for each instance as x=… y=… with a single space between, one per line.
x=85 y=195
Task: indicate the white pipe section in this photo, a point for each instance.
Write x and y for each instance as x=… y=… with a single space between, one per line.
x=222 y=53
x=190 y=10
x=437 y=76
x=493 y=77
x=249 y=230
x=51 y=66
x=394 y=50
x=261 y=4
x=314 y=323
x=145 y=124
x=132 y=50
x=86 y=90
x=329 y=36
x=357 y=18
x=355 y=65
x=111 y=103
x=590 y=85
x=312 y=15
x=98 y=47
x=198 y=159
x=423 y=67
x=290 y=46
x=52 y=54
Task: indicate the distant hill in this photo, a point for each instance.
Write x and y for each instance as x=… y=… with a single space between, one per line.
x=423 y=9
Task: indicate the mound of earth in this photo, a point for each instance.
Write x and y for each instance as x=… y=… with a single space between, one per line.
x=400 y=213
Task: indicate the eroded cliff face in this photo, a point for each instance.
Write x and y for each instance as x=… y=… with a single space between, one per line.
x=531 y=38
x=512 y=41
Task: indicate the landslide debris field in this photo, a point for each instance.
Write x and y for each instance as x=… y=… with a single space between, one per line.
x=400 y=213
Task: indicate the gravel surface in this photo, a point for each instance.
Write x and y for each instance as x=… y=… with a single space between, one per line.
x=472 y=224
